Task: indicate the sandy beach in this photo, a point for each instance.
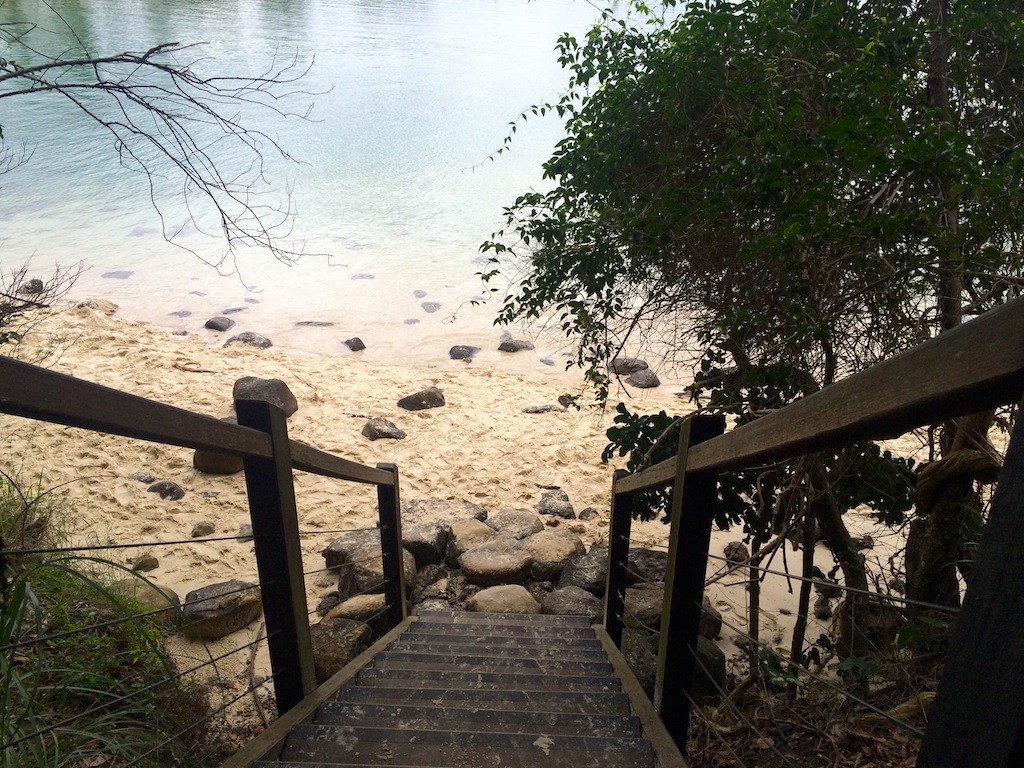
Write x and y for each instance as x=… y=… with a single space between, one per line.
x=480 y=447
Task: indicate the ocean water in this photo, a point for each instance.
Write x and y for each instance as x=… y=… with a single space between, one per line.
x=396 y=181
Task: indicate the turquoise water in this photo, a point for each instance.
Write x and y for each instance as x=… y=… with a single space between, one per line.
x=396 y=178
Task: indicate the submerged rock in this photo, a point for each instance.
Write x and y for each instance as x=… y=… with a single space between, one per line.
x=249 y=339
x=219 y=323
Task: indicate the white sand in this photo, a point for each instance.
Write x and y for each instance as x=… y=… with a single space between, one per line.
x=480 y=447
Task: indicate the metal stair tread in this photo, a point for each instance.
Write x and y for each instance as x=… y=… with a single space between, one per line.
x=493 y=665
x=494 y=680
x=540 y=653
x=503 y=641
x=470 y=617
x=598 y=702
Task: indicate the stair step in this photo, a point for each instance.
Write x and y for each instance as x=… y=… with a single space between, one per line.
x=514 y=665
x=501 y=630
x=386 y=746
x=519 y=619
x=571 y=652
x=486 y=680
x=501 y=641
x=476 y=719
x=604 y=702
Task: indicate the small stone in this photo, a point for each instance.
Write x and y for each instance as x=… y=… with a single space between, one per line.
x=209 y=494
x=431 y=397
x=220 y=323
x=119 y=274
x=143 y=477
x=314 y=324
x=463 y=352
x=430 y=306
x=249 y=339
x=167 y=490
x=273 y=391
x=566 y=400
x=379 y=428
x=411 y=321
x=736 y=552
x=543 y=409
x=646 y=379
x=362 y=276
x=355 y=344
x=785 y=611
x=508 y=344
x=822 y=608
x=556 y=503
x=32 y=287
x=203 y=528
x=547 y=361
x=244 y=533
x=864 y=542
x=627 y=365
x=232 y=310
x=327 y=604
x=211 y=463
x=144 y=563
x=419 y=294
x=589 y=514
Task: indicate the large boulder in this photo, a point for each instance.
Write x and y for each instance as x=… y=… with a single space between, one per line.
x=646 y=564
x=274 y=391
x=709 y=677
x=431 y=397
x=336 y=642
x=465 y=535
x=510 y=598
x=556 y=502
x=443 y=511
x=643 y=606
x=213 y=463
x=641 y=658
x=589 y=571
x=572 y=601
x=356 y=556
x=426 y=542
x=710 y=620
x=552 y=550
x=627 y=365
x=647 y=379
x=516 y=522
x=220 y=609
x=499 y=560
x=368 y=609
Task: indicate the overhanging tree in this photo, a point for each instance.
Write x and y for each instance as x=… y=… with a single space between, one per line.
x=771 y=181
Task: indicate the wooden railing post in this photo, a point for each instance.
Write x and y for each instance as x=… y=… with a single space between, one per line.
x=275 y=530
x=977 y=720
x=693 y=501
x=618 y=557
x=389 y=511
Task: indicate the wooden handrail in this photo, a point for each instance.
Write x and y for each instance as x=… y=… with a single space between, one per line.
x=976 y=366
x=37 y=393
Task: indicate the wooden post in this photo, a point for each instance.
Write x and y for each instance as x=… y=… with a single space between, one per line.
x=275 y=530
x=618 y=557
x=389 y=512
x=977 y=720
x=693 y=502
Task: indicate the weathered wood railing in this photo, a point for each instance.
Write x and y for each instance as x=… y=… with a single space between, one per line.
x=979 y=711
x=261 y=439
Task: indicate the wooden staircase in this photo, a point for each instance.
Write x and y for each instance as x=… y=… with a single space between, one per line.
x=471 y=690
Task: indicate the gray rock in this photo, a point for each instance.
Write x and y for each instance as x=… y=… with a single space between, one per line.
x=647 y=379
x=412 y=321
x=144 y=563
x=147 y=478
x=572 y=601
x=232 y=310
x=220 y=609
x=430 y=306
x=641 y=658
x=211 y=463
x=547 y=361
x=379 y=428
x=355 y=344
x=508 y=344
x=336 y=642
x=273 y=391
x=552 y=550
x=709 y=678
x=441 y=511
x=426 y=542
x=362 y=276
x=463 y=352
x=314 y=324
x=626 y=365
x=643 y=606
x=556 y=503
x=220 y=323
x=589 y=514
x=431 y=397
x=736 y=552
x=465 y=535
x=356 y=556
x=566 y=400
x=710 y=620
x=543 y=409
x=366 y=608
x=516 y=522
x=428 y=606
x=31 y=287
x=167 y=490
x=249 y=339
x=419 y=293
x=864 y=542
x=209 y=494
x=822 y=608
x=647 y=564
x=510 y=598
x=500 y=560
x=244 y=533
x=589 y=572
x=203 y=528
x=180 y=313
x=327 y=604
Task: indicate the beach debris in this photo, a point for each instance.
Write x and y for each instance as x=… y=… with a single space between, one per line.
x=509 y=344
x=556 y=502
x=543 y=409
x=379 y=428
x=589 y=571
x=572 y=601
x=209 y=494
x=145 y=562
x=336 y=642
x=250 y=339
x=645 y=379
x=500 y=560
x=167 y=490
x=179 y=333
x=430 y=306
x=220 y=323
x=203 y=528
x=463 y=352
x=355 y=344
x=518 y=523
x=627 y=365
x=431 y=397
x=589 y=514
x=250 y=300
x=508 y=598
x=274 y=391
x=552 y=550
x=219 y=609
